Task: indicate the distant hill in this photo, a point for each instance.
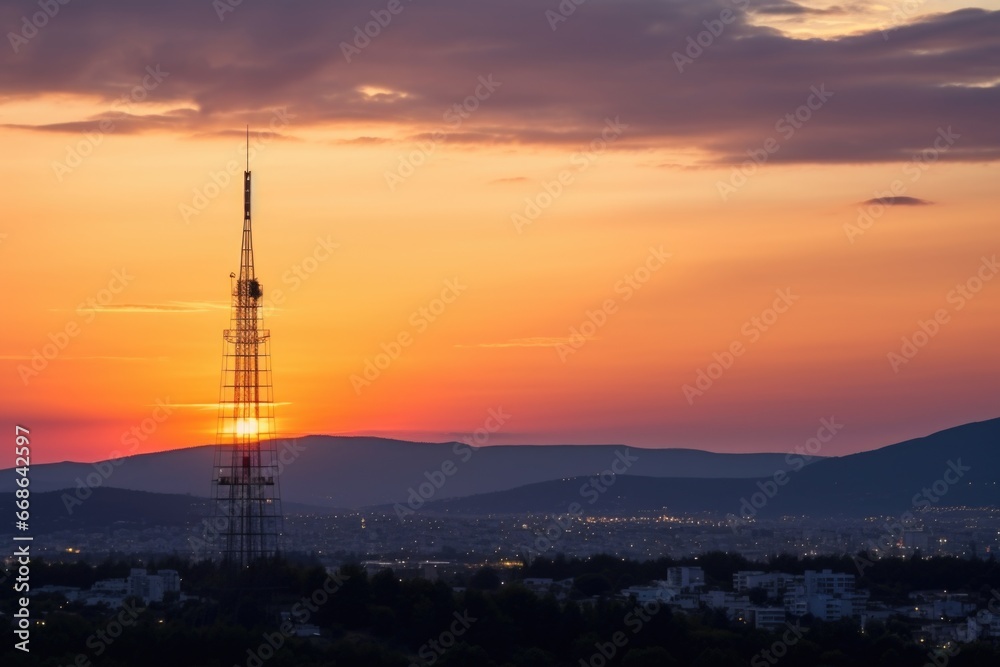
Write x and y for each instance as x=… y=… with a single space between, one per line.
x=358 y=472
x=107 y=508
x=891 y=480
x=118 y=508
x=334 y=472
x=884 y=481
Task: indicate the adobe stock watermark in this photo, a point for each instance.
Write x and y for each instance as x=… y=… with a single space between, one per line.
x=301 y=612
x=957 y=298
x=30 y=25
x=552 y=190
x=364 y=34
x=419 y=320
x=870 y=211
x=752 y=329
x=635 y=621
x=60 y=340
x=223 y=7
x=901 y=11
x=925 y=498
x=595 y=320
x=453 y=118
x=786 y=126
x=779 y=648
x=430 y=652
x=103 y=470
x=302 y=270
x=298 y=273
x=984 y=620
x=796 y=460
x=219 y=180
x=939 y=656
x=106 y=636
x=562 y=12
x=697 y=44
x=496 y=418
x=591 y=491
x=76 y=153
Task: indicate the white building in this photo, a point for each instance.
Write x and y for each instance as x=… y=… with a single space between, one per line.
x=835 y=607
x=772 y=582
x=685 y=578
x=826 y=595
x=171 y=581
x=830 y=583
x=649 y=593
x=829 y=596
x=146 y=586
x=744 y=580
x=140 y=584
x=766 y=618
x=111 y=592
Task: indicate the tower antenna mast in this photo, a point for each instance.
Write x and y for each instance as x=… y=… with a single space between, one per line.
x=245 y=485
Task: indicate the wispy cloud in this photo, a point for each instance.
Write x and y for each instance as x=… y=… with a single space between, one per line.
x=67 y=357
x=215 y=406
x=363 y=141
x=537 y=341
x=169 y=307
x=898 y=201
x=257 y=135
x=512 y=179
x=788 y=8
x=124 y=123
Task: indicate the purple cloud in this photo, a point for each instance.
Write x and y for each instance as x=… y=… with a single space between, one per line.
x=608 y=59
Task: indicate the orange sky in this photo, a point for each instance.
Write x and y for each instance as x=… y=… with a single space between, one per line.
x=503 y=342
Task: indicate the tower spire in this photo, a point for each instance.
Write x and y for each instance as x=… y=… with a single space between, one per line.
x=245 y=477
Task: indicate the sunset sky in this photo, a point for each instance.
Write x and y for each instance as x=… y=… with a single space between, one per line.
x=597 y=167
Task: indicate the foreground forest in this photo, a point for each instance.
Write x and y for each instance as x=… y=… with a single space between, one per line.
x=380 y=620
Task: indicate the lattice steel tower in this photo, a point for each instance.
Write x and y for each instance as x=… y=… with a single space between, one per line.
x=245 y=477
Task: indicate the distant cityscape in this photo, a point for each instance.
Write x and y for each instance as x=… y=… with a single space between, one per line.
x=763 y=600
x=338 y=537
